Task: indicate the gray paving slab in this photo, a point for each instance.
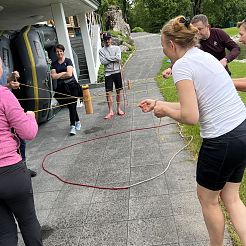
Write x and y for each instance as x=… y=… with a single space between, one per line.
x=156 y=187
x=163 y=212
x=146 y=207
x=106 y=234
x=153 y=231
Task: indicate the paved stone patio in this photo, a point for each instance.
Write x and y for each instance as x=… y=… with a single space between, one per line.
x=164 y=211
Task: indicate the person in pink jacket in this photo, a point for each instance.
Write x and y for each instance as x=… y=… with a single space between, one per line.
x=16 y=194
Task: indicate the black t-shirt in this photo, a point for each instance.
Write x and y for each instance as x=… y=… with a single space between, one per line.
x=62 y=67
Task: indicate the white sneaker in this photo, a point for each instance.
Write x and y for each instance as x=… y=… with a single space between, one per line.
x=77 y=125
x=72 y=131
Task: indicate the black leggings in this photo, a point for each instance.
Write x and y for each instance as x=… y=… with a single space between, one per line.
x=73 y=114
x=16 y=201
x=73 y=89
x=69 y=89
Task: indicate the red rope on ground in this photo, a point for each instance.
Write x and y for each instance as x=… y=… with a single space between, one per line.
x=90 y=140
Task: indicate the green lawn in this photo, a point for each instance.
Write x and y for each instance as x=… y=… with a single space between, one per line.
x=232 y=31
x=169 y=93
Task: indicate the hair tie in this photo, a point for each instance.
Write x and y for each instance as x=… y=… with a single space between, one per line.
x=185 y=21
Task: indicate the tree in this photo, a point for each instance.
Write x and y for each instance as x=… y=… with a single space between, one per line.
x=223 y=13
x=152 y=14
x=197 y=6
x=124 y=5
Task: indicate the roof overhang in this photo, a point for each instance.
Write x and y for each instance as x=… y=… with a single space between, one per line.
x=15 y=14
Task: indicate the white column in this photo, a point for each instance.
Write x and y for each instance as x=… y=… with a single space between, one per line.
x=62 y=32
x=96 y=45
x=88 y=48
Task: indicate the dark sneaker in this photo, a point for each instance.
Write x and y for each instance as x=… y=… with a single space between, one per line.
x=32 y=173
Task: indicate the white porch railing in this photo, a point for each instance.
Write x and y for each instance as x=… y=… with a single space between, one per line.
x=95 y=28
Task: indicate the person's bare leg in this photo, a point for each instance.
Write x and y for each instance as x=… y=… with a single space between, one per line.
x=236 y=208
x=212 y=214
x=118 y=98
x=110 y=105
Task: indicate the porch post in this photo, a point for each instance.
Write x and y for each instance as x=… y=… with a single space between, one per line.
x=88 y=47
x=62 y=32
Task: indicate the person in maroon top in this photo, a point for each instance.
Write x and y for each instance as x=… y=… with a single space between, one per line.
x=214 y=41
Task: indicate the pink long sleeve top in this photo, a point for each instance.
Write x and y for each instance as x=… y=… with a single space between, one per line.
x=12 y=115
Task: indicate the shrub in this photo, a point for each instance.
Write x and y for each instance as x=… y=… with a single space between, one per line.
x=137 y=29
x=100 y=77
x=120 y=36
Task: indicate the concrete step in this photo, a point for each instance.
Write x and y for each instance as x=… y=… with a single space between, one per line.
x=81 y=59
x=83 y=65
x=76 y=41
x=84 y=81
x=78 y=47
x=84 y=76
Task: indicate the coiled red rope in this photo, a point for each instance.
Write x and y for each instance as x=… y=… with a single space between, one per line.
x=87 y=141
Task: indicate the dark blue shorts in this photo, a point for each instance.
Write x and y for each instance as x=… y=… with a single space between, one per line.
x=222 y=159
x=113 y=79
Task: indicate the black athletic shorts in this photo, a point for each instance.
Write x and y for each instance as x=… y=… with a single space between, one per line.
x=222 y=159
x=113 y=78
